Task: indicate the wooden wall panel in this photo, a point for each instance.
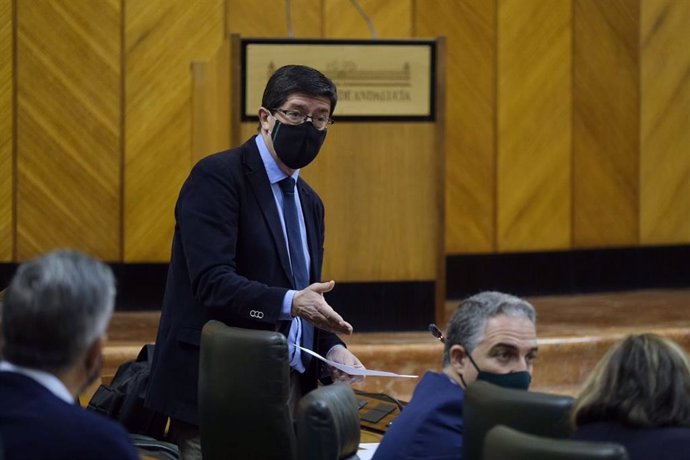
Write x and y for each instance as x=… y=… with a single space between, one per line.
x=161 y=40
x=6 y=130
x=470 y=29
x=665 y=93
x=509 y=144
x=534 y=135
x=370 y=220
x=268 y=18
x=378 y=183
x=68 y=127
x=391 y=19
x=211 y=104
x=605 y=123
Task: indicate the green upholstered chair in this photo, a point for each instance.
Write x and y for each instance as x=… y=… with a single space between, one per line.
x=244 y=387
x=328 y=424
x=506 y=443
x=488 y=405
x=244 y=378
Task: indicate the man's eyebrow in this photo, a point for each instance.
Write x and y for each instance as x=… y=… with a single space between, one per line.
x=511 y=347
x=503 y=345
x=296 y=105
x=303 y=107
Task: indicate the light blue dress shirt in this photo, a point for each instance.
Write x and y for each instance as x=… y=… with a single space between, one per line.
x=275 y=175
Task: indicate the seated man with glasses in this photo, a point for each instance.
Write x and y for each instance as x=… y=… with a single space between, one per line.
x=248 y=251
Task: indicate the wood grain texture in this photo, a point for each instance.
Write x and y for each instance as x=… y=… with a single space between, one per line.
x=665 y=132
x=268 y=18
x=68 y=127
x=391 y=19
x=378 y=184
x=161 y=40
x=211 y=104
x=509 y=145
x=470 y=140
x=441 y=288
x=606 y=114
x=534 y=125
x=6 y=131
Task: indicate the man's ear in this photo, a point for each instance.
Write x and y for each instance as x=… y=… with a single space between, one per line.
x=458 y=357
x=264 y=115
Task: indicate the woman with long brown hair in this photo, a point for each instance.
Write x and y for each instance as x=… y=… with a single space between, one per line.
x=638 y=396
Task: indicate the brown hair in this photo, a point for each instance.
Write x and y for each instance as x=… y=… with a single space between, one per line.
x=643 y=381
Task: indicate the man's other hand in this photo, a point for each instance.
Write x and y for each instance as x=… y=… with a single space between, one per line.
x=342 y=355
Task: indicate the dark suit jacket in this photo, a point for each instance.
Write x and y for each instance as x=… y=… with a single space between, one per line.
x=663 y=443
x=430 y=426
x=36 y=424
x=230 y=263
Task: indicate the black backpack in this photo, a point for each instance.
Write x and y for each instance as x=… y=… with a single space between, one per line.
x=123 y=399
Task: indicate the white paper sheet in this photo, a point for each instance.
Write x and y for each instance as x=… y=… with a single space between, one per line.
x=366 y=450
x=354 y=370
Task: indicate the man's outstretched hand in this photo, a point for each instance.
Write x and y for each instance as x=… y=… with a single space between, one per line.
x=310 y=304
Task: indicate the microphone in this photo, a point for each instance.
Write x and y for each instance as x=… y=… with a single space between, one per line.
x=436 y=332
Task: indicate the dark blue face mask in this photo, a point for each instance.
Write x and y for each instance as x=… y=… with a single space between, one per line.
x=515 y=380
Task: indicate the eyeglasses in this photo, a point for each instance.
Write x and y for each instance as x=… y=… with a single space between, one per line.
x=296 y=117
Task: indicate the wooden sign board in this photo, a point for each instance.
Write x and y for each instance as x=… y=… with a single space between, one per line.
x=376 y=80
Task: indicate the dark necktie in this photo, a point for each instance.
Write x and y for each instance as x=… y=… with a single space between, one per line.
x=300 y=273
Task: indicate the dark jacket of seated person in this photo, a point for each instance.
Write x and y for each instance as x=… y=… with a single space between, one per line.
x=638 y=396
x=37 y=424
x=54 y=318
x=492 y=336
x=430 y=426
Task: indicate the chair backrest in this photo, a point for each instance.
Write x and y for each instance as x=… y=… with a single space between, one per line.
x=502 y=442
x=488 y=405
x=244 y=379
x=328 y=424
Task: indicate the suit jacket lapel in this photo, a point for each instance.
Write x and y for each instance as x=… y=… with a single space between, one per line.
x=258 y=179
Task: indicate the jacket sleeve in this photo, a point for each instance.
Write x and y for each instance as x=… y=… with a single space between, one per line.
x=208 y=219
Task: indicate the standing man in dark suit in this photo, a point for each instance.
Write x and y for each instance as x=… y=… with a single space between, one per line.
x=248 y=251
x=54 y=319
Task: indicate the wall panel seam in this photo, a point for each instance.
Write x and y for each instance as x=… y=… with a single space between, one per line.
x=496 y=104
x=123 y=114
x=14 y=118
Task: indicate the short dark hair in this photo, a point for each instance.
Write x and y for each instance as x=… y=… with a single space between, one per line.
x=55 y=307
x=643 y=381
x=291 y=79
x=468 y=324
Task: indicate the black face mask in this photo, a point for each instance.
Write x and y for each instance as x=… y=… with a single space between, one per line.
x=516 y=380
x=297 y=145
